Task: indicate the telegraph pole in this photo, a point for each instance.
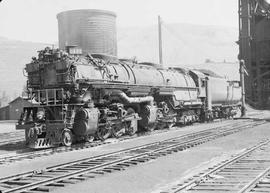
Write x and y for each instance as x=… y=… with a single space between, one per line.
x=160 y=40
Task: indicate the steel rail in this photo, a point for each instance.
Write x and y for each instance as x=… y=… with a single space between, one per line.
x=136 y=154
x=142 y=146
x=44 y=152
x=197 y=180
x=254 y=182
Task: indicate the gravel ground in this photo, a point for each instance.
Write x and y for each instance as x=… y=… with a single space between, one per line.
x=51 y=160
x=151 y=176
x=156 y=175
x=7 y=126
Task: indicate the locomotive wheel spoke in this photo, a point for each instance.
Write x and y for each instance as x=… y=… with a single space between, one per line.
x=151 y=127
x=131 y=128
x=89 y=138
x=170 y=125
x=185 y=121
x=131 y=131
x=103 y=133
x=118 y=131
x=67 y=137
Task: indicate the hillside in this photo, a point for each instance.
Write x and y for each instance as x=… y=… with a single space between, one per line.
x=183 y=45
x=13 y=57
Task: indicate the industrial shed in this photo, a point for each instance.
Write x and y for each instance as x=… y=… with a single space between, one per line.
x=14 y=109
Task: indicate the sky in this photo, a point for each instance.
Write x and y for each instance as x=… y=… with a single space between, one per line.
x=35 y=20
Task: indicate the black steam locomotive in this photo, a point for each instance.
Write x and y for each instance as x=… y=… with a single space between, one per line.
x=76 y=97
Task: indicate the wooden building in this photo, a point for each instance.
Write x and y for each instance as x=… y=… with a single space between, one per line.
x=14 y=109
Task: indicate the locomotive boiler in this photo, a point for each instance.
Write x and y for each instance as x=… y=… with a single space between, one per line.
x=79 y=97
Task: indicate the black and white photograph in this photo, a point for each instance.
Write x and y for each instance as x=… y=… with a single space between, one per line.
x=125 y=96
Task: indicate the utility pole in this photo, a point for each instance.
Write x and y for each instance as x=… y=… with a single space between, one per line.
x=160 y=40
x=242 y=81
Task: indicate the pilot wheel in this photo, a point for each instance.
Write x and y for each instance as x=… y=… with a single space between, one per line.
x=67 y=137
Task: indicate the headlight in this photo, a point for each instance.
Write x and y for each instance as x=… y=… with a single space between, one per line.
x=40 y=115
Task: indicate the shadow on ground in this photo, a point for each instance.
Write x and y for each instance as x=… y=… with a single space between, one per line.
x=14 y=147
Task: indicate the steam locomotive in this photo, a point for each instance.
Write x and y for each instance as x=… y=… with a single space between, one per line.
x=81 y=98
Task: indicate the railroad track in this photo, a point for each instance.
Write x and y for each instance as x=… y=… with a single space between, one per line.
x=72 y=172
x=11 y=138
x=246 y=172
x=30 y=154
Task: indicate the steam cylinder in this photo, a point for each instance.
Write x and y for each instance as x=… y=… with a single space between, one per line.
x=94 y=31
